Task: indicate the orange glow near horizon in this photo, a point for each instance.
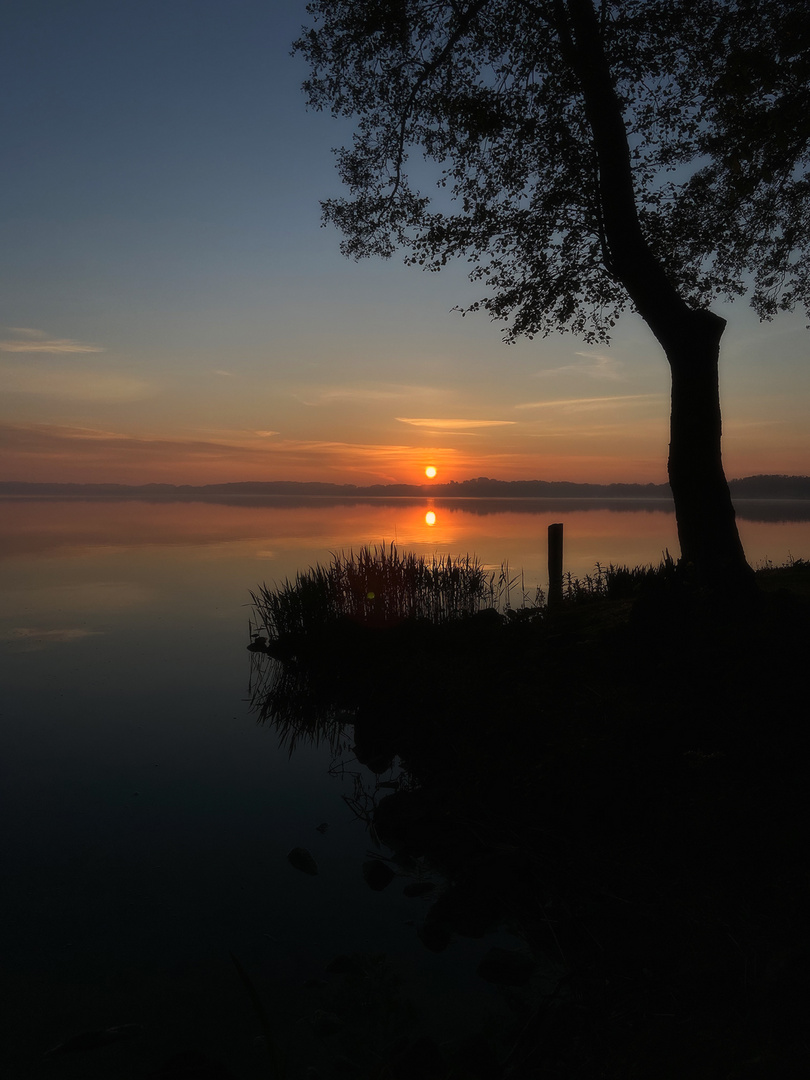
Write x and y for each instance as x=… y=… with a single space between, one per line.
x=48 y=453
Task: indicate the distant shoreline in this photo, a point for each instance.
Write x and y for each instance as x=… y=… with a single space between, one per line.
x=749 y=487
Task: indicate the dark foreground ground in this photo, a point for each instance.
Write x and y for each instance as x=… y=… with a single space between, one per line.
x=623 y=785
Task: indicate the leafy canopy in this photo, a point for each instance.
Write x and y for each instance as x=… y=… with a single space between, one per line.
x=471 y=141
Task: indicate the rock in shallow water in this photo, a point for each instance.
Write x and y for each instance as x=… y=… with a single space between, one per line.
x=301 y=859
x=377 y=874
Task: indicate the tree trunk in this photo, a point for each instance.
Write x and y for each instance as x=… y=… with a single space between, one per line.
x=707 y=528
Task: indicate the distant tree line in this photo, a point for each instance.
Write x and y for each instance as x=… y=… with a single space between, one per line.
x=479 y=487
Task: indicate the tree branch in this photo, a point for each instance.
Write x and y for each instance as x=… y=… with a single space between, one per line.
x=430 y=69
x=631 y=257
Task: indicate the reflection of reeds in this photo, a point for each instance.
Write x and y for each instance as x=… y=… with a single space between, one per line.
x=379 y=585
x=315 y=638
x=295 y=702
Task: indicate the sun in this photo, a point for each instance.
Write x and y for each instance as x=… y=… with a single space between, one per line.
x=430 y=471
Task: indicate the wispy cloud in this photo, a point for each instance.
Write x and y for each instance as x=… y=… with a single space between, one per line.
x=39 y=452
x=444 y=424
x=590 y=403
x=54 y=452
x=591 y=365
x=53 y=347
x=109 y=387
x=80 y=432
x=26 y=332
x=746 y=425
x=599 y=366
x=609 y=432
x=330 y=395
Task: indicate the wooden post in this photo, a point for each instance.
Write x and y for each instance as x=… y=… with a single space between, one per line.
x=555 y=564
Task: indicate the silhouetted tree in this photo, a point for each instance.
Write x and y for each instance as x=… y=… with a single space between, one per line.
x=749 y=204
x=590 y=156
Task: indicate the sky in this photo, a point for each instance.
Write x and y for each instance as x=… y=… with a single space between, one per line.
x=172 y=311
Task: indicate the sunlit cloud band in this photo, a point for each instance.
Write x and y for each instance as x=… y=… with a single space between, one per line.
x=591 y=402
x=451 y=425
x=52 y=348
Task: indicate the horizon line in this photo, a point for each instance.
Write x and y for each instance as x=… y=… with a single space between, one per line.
x=429 y=484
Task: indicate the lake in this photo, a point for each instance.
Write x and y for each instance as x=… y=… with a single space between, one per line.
x=147 y=817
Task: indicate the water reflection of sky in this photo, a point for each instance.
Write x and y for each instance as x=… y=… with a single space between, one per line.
x=147 y=818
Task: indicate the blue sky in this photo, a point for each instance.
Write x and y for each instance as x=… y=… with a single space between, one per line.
x=171 y=309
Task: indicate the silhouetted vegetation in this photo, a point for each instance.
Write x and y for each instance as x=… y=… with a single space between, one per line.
x=379 y=587
x=755 y=487
x=582 y=156
x=621 y=783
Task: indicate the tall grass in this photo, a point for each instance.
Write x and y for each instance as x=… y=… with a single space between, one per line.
x=618 y=582
x=379 y=586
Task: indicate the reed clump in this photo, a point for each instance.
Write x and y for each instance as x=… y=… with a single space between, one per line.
x=620 y=582
x=379 y=586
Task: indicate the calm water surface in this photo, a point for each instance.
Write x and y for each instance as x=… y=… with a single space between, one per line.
x=146 y=818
